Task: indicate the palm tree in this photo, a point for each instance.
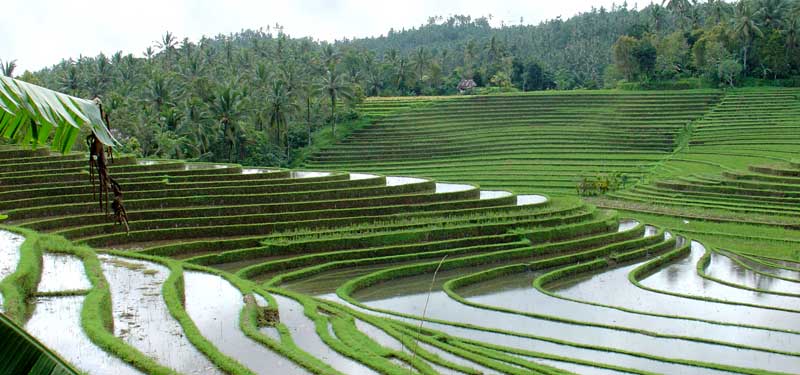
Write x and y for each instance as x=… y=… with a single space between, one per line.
x=792 y=34
x=334 y=87
x=195 y=125
x=279 y=107
x=330 y=56
x=160 y=91
x=773 y=12
x=718 y=9
x=658 y=15
x=420 y=62
x=227 y=108
x=680 y=8
x=167 y=45
x=745 y=27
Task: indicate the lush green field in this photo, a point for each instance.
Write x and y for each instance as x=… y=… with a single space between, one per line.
x=241 y=270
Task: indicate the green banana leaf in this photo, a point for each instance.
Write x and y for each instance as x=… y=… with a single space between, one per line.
x=30 y=114
x=21 y=354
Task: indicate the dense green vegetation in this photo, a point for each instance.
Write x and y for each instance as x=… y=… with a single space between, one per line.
x=259 y=95
x=326 y=252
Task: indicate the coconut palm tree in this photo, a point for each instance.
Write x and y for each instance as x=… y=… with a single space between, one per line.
x=773 y=12
x=718 y=9
x=745 y=27
x=792 y=34
x=334 y=87
x=420 y=62
x=279 y=106
x=657 y=16
x=680 y=8
x=227 y=109
x=195 y=125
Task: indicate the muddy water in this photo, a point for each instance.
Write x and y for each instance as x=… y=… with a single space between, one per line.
x=397 y=181
x=141 y=317
x=681 y=277
x=596 y=356
x=305 y=336
x=493 y=194
x=524 y=200
x=723 y=268
x=612 y=288
x=452 y=188
x=56 y=323
x=516 y=292
x=214 y=305
x=62 y=273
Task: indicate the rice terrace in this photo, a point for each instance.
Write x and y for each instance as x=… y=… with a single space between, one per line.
x=615 y=192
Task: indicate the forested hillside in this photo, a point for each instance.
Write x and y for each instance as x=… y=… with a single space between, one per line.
x=258 y=95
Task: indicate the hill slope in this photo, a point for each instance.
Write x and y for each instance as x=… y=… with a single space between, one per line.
x=673 y=150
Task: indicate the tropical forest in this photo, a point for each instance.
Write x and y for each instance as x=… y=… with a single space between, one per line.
x=612 y=191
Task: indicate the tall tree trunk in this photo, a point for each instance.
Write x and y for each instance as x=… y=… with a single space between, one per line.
x=333 y=116
x=308 y=118
x=745 y=60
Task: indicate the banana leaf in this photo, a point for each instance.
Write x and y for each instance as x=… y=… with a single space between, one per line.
x=33 y=115
x=21 y=354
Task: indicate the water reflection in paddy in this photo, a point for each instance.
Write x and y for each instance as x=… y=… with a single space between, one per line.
x=761 y=267
x=397 y=181
x=523 y=200
x=258 y=170
x=307 y=174
x=516 y=292
x=305 y=336
x=361 y=176
x=613 y=288
x=62 y=273
x=541 y=346
x=682 y=277
x=9 y=255
x=409 y=296
x=724 y=268
x=215 y=305
x=452 y=188
x=142 y=319
x=56 y=322
x=494 y=194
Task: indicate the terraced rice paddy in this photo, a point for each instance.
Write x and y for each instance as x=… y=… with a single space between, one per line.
x=249 y=270
x=529 y=143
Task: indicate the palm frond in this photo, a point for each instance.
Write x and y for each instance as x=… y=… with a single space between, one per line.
x=33 y=115
x=22 y=354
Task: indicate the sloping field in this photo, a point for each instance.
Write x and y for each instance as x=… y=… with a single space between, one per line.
x=264 y=271
x=739 y=167
x=529 y=143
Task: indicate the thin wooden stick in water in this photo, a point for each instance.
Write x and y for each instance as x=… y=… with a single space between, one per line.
x=427 y=299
